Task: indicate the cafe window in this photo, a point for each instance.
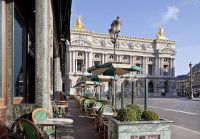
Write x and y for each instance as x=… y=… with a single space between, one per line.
x=0 y=49
x=18 y=55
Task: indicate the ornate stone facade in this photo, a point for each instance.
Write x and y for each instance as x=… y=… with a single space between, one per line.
x=155 y=56
x=182 y=82
x=182 y=85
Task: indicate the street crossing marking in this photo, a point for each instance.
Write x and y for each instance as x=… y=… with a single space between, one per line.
x=190 y=130
x=191 y=113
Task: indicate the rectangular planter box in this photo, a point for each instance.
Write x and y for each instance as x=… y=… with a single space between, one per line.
x=139 y=129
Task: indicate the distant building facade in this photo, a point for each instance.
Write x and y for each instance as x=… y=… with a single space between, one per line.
x=155 y=56
x=182 y=82
x=196 y=79
x=182 y=85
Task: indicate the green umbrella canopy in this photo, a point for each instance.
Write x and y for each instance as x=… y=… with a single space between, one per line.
x=97 y=78
x=110 y=68
x=85 y=83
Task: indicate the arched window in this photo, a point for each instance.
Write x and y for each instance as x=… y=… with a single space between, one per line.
x=165 y=60
x=150 y=59
x=96 y=56
x=111 y=56
x=138 y=58
x=125 y=57
x=80 y=53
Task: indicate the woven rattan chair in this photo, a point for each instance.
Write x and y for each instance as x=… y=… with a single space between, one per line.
x=40 y=114
x=29 y=130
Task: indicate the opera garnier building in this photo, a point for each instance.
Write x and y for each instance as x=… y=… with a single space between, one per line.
x=155 y=56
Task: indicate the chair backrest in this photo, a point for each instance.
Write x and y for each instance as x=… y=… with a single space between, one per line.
x=107 y=109
x=62 y=96
x=89 y=103
x=98 y=104
x=40 y=114
x=29 y=130
x=82 y=100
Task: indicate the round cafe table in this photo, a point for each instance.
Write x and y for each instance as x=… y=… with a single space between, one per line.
x=55 y=122
x=108 y=113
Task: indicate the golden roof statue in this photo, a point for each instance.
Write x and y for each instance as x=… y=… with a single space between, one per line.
x=161 y=34
x=79 y=24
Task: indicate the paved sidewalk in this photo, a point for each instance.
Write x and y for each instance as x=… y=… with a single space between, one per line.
x=83 y=126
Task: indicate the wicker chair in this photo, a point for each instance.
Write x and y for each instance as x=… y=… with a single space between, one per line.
x=97 y=105
x=101 y=121
x=29 y=130
x=58 y=110
x=41 y=114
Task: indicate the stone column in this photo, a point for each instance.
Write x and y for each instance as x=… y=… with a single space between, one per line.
x=102 y=59
x=41 y=53
x=90 y=59
x=144 y=66
x=86 y=61
x=70 y=61
x=173 y=68
x=10 y=62
x=170 y=67
x=73 y=61
x=106 y=58
x=75 y=66
x=160 y=67
x=57 y=74
x=156 y=68
x=131 y=60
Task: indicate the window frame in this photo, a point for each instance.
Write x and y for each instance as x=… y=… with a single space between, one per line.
x=20 y=19
x=1 y=43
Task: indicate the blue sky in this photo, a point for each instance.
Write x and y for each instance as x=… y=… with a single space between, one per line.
x=141 y=18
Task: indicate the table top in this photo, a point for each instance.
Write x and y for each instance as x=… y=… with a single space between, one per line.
x=108 y=113
x=62 y=106
x=95 y=107
x=56 y=122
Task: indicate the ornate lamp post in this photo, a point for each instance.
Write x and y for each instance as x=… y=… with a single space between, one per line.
x=114 y=31
x=190 y=82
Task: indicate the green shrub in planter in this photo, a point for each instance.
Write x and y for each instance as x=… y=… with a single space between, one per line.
x=150 y=116
x=137 y=109
x=127 y=114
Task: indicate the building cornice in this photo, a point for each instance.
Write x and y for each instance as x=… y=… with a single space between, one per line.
x=125 y=38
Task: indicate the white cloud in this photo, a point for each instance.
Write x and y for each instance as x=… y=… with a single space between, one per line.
x=171 y=14
x=190 y=1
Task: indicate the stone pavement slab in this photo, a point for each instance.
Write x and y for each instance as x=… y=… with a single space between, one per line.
x=82 y=128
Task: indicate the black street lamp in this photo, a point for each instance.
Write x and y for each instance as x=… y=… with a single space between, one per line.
x=114 y=31
x=190 y=82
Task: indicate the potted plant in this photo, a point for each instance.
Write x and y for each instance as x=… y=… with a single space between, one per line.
x=132 y=123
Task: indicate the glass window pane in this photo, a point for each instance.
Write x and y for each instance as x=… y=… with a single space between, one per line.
x=0 y=49
x=18 y=57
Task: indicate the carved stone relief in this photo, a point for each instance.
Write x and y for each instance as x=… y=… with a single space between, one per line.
x=80 y=42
